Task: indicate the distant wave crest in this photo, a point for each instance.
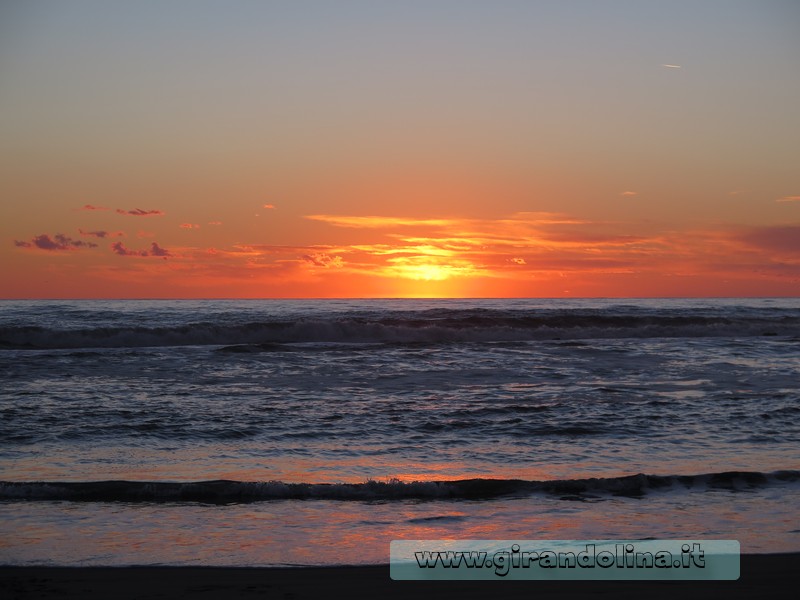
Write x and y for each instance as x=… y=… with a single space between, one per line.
x=443 y=327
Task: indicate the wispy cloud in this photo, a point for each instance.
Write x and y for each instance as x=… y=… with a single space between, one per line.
x=138 y=212
x=789 y=199
x=516 y=253
x=93 y=207
x=538 y=245
x=540 y=218
x=379 y=222
x=387 y=222
x=269 y=206
x=629 y=193
x=524 y=242
x=189 y=226
x=671 y=66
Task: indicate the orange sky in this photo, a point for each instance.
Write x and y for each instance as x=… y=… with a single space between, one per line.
x=481 y=150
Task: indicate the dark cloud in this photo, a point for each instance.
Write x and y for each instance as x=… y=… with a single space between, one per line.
x=93 y=207
x=56 y=243
x=120 y=249
x=100 y=234
x=155 y=250
x=138 y=212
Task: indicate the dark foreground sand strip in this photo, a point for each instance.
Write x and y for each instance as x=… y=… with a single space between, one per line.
x=763 y=576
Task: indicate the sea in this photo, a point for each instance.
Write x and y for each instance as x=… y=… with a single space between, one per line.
x=315 y=432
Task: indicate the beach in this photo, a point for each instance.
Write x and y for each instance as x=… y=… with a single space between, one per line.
x=764 y=576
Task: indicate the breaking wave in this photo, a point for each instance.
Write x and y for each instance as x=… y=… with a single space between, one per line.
x=225 y=491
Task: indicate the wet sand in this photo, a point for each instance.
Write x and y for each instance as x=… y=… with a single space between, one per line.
x=762 y=575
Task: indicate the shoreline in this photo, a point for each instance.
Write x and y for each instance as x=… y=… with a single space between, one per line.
x=762 y=575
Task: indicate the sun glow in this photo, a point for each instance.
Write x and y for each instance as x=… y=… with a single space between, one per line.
x=422 y=268
x=424 y=277
x=425 y=272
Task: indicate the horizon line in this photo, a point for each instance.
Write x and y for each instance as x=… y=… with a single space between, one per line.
x=305 y=298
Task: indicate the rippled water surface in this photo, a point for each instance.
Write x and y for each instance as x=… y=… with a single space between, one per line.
x=306 y=392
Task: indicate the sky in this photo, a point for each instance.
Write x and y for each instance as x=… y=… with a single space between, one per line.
x=437 y=148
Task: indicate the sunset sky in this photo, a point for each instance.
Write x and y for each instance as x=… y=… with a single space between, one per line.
x=408 y=148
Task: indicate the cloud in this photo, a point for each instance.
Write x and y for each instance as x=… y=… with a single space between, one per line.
x=522 y=249
x=540 y=218
x=189 y=226
x=494 y=248
x=57 y=243
x=215 y=222
x=484 y=247
x=324 y=260
x=120 y=249
x=789 y=199
x=669 y=66
x=100 y=234
x=269 y=206
x=155 y=250
x=629 y=194
x=138 y=212
x=377 y=222
x=93 y=207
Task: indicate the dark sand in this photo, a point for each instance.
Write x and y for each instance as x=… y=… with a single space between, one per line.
x=762 y=576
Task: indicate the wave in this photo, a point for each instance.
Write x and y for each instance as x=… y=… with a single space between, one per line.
x=441 y=327
x=225 y=491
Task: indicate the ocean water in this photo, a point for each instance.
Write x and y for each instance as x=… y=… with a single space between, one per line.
x=297 y=432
